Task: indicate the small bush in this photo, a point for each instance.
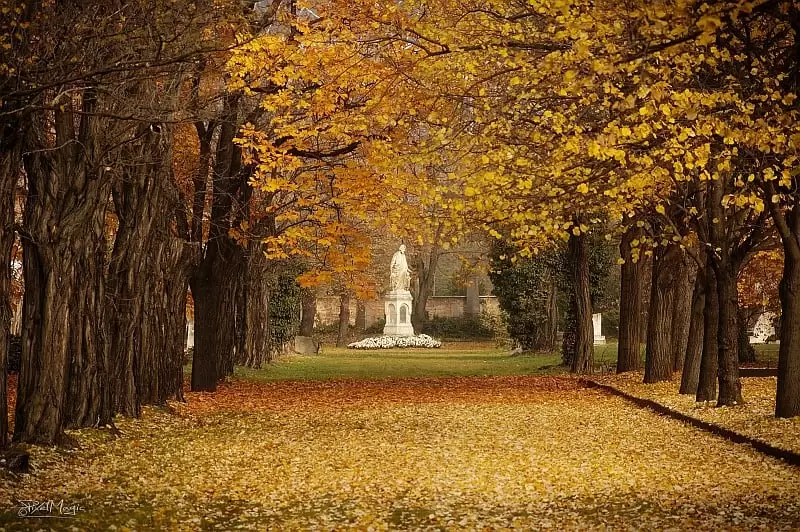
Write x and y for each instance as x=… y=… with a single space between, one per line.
x=376 y=327
x=459 y=327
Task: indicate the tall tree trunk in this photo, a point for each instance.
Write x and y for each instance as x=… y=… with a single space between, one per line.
x=257 y=326
x=787 y=403
x=583 y=361
x=787 y=399
x=730 y=387
x=658 y=356
x=551 y=326
x=9 y=169
x=361 y=317
x=694 y=348
x=630 y=310
x=707 y=381
x=63 y=379
x=309 y=305
x=682 y=310
x=214 y=282
x=746 y=351
x=342 y=338
x=214 y=288
x=721 y=259
x=177 y=259
x=147 y=281
x=130 y=270
x=426 y=272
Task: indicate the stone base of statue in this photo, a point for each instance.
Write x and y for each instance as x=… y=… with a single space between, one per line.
x=397 y=306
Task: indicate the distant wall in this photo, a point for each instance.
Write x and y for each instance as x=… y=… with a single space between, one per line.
x=441 y=306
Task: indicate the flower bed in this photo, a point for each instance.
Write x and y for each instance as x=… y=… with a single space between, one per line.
x=389 y=342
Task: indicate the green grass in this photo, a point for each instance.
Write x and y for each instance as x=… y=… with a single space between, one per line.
x=452 y=360
x=767 y=355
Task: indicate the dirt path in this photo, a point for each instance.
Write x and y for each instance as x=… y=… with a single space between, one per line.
x=409 y=454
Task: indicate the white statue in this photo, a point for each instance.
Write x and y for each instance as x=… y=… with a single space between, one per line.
x=400 y=278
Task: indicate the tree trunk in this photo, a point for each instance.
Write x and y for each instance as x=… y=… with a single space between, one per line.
x=746 y=351
x=342 y=338
x=309 y=305
x=730 y=387
x=787 y=399
x=658 y=356
x=131 y=271
x=256 y=317
x=63 y=379
x=214 y=283
x=551 y=327
x=583 y=362
x=214 y=290
x=426 y=272
x=694 y=348
x=707 y=381
x=177 y=259
x=682 y=310
x=630 y=310
x=787 y=402
x=361 y=317
x=9 y=169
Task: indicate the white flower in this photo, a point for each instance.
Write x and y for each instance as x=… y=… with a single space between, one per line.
x=388 y=342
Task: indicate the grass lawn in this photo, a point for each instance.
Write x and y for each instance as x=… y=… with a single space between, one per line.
x=454 y=359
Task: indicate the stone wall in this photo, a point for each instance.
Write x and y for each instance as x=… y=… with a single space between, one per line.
x=441 y=306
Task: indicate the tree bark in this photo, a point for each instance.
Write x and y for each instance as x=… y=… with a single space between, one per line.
x=630 y=310
x=342 y=338
x=9 y=169
x=583 y=362
x=130 y=270
x=682 y=297
x=214 y=291
x=658 y=356
x=426 y=272
x=214 y=282
x=730 y=387
x=550 y=336
x=787 y=399
x=694 y=348
x=746 y=351
x=256 y=315
x=309 y=305
x=787 y=403
x=361 y=317
x=707 y=381
x=63 y=379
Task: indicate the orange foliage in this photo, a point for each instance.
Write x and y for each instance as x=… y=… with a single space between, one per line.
x=759 y=279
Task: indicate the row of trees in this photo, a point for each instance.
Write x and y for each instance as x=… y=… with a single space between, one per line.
x=540 y=120
x=119 y=140
x=196 y=145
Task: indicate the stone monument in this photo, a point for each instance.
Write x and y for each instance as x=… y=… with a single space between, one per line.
x=397 y=303
x=597 y=325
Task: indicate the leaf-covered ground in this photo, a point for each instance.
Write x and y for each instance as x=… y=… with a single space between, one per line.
x=755 y=418
x=461 y=453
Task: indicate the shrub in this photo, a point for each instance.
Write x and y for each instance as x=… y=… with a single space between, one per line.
x=459 y=327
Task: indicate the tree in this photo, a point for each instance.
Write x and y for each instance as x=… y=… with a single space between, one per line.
x=526 y=291
x=629 y=349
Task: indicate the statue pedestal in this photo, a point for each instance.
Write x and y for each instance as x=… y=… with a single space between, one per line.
x=397 y=306
x=597 y=323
